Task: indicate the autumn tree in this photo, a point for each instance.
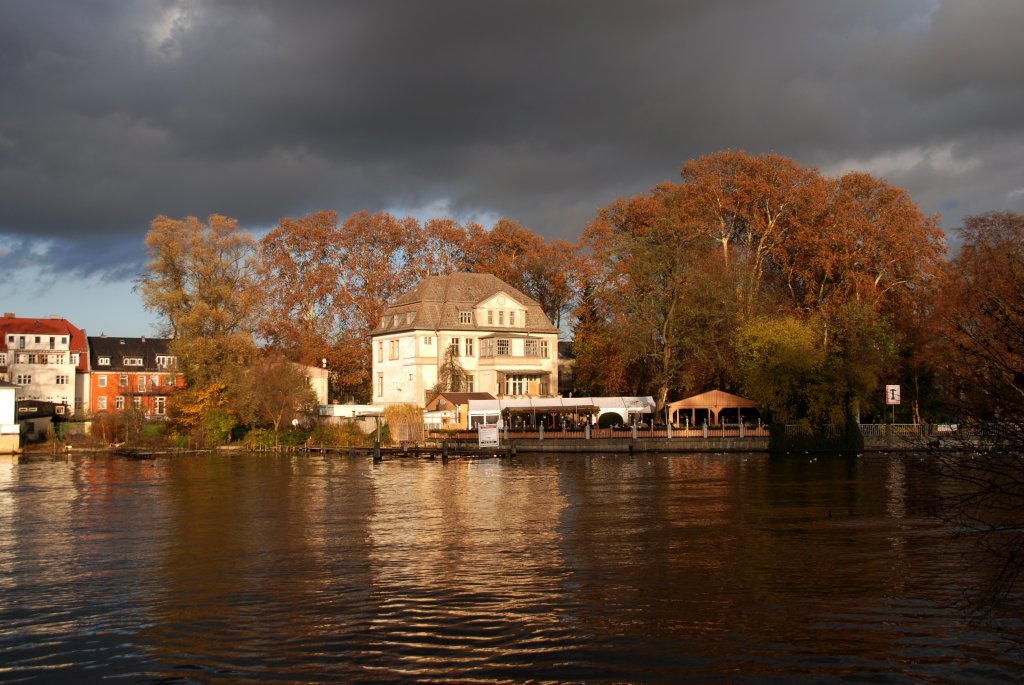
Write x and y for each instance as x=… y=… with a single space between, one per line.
x=515 y=254
x=273 y=392
x=197 y=281
x=649 y=304
x=779 y=360
x=985 y=383
x=444 y=246
x=324 y=284
x=750 y=205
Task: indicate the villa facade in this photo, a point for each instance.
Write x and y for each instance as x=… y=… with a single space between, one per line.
x=500 y=338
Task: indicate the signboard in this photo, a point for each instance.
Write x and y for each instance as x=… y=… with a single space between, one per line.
x=488 y=435
x=892 y=394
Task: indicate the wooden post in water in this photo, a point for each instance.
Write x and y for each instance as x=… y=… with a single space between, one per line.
x=376 y=452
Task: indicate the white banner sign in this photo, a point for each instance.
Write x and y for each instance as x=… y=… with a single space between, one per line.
x=892 y=394
x=488 y=436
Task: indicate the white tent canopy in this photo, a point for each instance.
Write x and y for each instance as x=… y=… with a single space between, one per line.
x=491 y=411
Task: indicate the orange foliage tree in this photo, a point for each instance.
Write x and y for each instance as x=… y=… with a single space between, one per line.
x=984 y=305
x=790 y=242
x=543 y=270
x=653 y=315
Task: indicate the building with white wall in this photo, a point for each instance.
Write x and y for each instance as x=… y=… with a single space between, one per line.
x=47 y=358
x=10 y=431
x=501 y=339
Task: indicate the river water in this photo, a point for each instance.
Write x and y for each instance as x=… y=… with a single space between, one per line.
x=675 y=568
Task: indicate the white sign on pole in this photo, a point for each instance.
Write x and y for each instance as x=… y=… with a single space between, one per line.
x=892 y=394
x=488 y=436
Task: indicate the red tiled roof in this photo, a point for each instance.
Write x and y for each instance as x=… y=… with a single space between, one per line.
x=15 y=325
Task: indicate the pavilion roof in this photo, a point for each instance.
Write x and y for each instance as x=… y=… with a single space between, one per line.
x=713 y=399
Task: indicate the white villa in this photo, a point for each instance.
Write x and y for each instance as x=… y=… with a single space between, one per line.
x=47 y=358
x=502 y=339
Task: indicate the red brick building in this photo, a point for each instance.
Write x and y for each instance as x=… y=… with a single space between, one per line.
x=131 y=371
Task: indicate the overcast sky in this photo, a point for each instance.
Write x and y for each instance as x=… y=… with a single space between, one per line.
x=113 y=112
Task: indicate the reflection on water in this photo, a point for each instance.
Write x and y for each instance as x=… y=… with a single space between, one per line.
x=653 y=568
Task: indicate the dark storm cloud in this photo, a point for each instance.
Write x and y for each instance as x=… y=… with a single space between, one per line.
x=114 y=112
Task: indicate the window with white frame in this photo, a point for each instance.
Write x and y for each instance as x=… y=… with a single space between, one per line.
x=392 y=349
x=103 y=361
x=518 y=384
x=160 y=406
x=469 y=347
x=101 y=381
x=470 y=382
x=428 y=340
x=23 y=379
x=490 y=318
x=119 y=402
x=142 y=383
x=61 y=380
x=3 y=358
x=74 y=360
x=133 y=361
x=512 y=318
x=380 y=385
x=137 y=401
x=504 y=348
x=101 y=403
x=454 y=347
x=535 y=348
x=465 y=317
x=123 y=381
x=501 y=317
x=380 y=350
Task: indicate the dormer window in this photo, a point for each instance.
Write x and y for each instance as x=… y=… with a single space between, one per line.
x=394 y=321
x=409 y=316
x=103 y=361
x=133 y=361
x=465 y=317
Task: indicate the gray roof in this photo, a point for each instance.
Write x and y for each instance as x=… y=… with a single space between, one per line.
x=118 y=348
x=435 y=303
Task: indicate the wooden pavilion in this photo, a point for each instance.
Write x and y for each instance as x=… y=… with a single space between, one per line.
x=713 y=402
